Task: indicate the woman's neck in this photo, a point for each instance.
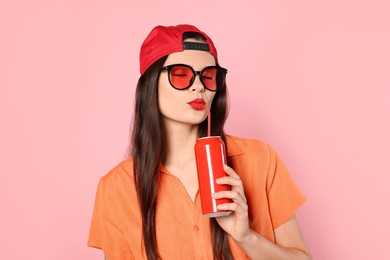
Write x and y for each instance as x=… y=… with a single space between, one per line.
x=180 y=144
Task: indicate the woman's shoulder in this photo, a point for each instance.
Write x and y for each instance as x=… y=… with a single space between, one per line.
x=123 y=170
x=241 y=145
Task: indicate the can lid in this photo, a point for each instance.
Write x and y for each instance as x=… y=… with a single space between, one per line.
x=209 y=137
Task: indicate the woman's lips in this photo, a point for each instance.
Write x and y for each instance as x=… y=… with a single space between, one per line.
x=197 y=104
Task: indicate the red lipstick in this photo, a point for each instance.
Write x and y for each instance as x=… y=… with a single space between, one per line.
x=197 y=104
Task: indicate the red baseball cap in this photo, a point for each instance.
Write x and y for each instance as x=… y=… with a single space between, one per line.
x=164 y=40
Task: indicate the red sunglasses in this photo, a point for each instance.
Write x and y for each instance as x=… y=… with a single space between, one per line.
x=182 y=76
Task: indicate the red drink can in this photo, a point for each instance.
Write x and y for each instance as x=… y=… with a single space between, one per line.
x=210 y=158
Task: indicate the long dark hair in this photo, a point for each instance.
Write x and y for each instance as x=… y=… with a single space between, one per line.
x=148 y=149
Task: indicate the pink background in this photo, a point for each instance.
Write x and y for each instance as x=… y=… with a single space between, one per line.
x=310 y=78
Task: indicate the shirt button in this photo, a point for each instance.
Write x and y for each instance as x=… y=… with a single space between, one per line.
x=196 y=228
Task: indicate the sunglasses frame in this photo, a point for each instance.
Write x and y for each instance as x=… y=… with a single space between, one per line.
x=194 y=73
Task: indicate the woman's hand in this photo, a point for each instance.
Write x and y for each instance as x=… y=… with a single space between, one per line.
x=289 y=245
x=236 y=224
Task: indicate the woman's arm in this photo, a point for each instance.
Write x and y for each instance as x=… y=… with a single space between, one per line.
x=289 y=243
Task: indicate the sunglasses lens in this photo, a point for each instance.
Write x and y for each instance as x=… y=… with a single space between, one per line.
x=209 y=78
x=180 y=76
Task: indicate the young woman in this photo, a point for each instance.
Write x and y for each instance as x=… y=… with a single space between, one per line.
x=148 y=207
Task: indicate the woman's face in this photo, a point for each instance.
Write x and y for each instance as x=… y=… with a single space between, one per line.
x=173 y=103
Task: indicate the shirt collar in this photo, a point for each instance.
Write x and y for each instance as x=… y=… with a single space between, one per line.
x=233 y=146
x=234 y=149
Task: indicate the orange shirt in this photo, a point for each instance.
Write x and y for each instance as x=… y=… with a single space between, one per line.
x=182 y=231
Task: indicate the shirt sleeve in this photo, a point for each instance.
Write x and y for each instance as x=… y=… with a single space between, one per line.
x=105 y=233
x=284 y=196
x=96 y=232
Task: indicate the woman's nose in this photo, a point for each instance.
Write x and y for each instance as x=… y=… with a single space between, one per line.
x=197 y=85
